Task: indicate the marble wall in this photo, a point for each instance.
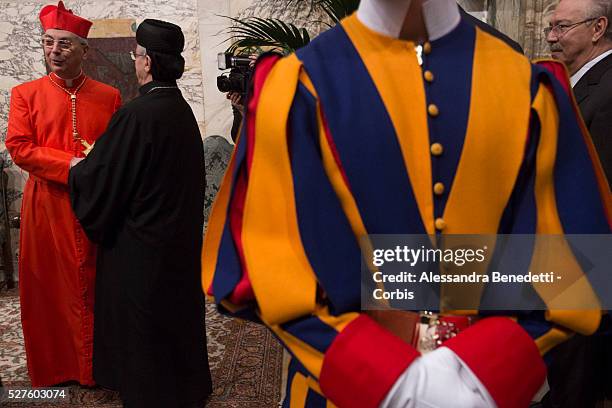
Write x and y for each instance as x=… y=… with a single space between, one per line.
x=213 y=23
x=524 y=21
x=21 y=57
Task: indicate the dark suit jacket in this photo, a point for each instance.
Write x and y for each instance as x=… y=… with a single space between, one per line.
x=594 y=96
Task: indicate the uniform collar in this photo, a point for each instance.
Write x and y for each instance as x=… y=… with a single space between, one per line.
x=387 y=16
x=68 y=83
x=148 y=87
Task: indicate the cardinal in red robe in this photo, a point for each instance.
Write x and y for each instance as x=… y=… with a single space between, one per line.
x=52 y=120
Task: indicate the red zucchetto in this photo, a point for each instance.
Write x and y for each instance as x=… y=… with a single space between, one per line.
x=60 y=18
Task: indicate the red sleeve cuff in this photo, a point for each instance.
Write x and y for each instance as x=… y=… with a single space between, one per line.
x=504 y=358
x=363 y=363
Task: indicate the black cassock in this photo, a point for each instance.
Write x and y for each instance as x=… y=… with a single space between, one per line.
x=140 y=195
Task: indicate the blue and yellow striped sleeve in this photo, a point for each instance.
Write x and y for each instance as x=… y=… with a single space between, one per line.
x=561 y=190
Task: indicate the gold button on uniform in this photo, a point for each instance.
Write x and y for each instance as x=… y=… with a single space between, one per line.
x=427 y=48
x=433 y=110
x=436 y=149
x=440 y=224
x=438 y=188
x=429 y=76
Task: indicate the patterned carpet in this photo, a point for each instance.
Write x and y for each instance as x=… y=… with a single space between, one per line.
x=246 y=363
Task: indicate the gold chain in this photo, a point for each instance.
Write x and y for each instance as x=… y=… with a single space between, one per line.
x=73 y=100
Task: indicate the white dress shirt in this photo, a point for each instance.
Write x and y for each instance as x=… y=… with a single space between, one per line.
x=582 y=71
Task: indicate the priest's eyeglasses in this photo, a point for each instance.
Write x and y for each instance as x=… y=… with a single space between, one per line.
x=560 y=29
x=49 y=42
x=133 y=55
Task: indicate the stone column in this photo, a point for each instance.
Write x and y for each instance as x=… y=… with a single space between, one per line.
x=524 y=21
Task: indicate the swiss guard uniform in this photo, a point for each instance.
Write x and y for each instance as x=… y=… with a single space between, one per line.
x=50 y=122
x=349 y=137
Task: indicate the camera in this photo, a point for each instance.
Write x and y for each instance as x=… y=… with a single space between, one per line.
x=240 y=73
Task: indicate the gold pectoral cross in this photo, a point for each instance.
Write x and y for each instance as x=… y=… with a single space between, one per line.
x=87 y=146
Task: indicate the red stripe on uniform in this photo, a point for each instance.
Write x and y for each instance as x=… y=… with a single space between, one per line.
x=243 y=291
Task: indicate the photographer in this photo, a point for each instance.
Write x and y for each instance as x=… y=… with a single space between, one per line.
x=238 y=111
x=235 y=84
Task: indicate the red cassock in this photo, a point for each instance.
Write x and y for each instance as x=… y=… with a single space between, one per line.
x=57 y=261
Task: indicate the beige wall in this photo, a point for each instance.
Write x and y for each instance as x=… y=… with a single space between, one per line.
x=212 y=23
x=521 y=20
x=212 y=26
x=524 y=20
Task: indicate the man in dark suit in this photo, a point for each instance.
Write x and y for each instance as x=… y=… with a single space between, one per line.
x=594 y=96
x=580 y=35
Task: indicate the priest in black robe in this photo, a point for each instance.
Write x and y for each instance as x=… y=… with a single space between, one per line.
x=139 y=195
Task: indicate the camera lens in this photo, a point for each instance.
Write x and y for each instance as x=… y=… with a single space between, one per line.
x=223 y=83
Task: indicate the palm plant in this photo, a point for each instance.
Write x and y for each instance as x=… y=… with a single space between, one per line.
x=269 y=33
x=337 y=9
x=277 y=35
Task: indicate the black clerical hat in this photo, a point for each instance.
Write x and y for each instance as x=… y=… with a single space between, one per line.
x=160 y=36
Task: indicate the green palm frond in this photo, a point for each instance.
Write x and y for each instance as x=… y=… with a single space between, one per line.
x=266 y=32
x=337 y=9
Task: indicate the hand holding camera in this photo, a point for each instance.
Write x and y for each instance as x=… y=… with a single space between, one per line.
x=241 y=68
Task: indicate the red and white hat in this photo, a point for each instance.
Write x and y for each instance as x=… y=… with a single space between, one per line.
x=60 y=18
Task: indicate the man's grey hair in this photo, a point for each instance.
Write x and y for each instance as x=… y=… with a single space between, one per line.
x=82 y=40
x=602 y=8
